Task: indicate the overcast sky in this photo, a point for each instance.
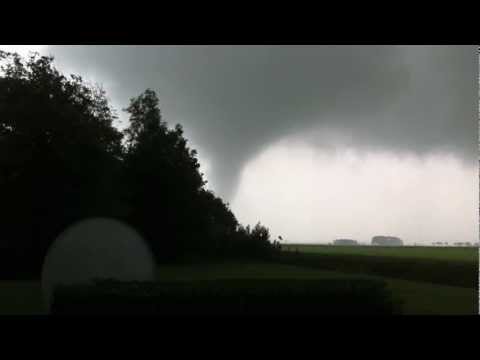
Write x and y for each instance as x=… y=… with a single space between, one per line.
x=317 y=142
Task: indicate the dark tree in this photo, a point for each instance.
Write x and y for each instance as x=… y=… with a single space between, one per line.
x=62 y=160
x=219 y=223
x=58 y=156
x=163 y=181
x=169 y=203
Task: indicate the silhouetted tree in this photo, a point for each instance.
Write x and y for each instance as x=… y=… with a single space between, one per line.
x=162 y=179
x=62 y=160
x=219 y=221
x=169 y=203
x=58 y=155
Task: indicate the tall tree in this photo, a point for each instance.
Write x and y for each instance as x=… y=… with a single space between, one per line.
x=58 y=155
x=62 y=160
x=162 y=179
x=169 y=203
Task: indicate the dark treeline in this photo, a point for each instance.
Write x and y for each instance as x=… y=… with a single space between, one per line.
x=62 y=160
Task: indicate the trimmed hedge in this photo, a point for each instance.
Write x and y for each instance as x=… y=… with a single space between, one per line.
x=228 y=297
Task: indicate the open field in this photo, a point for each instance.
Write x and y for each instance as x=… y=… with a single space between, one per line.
x=459 y=273
x=418 y=297
x=467 y=254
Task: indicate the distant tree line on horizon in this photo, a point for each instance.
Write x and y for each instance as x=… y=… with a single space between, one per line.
x=376 y=240
x=62 y=160
x=388 y=242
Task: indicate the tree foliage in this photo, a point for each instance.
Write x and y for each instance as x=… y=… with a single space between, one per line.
x=58 y=154
x=162 y=179
x=62 y=160
x=166 y=190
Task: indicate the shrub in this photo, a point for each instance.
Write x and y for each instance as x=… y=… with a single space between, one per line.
x=351 y=296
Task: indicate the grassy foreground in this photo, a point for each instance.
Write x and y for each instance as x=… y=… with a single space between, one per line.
x=20 y=298
x=419 y=298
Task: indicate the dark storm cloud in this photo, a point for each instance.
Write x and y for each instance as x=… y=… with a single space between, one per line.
x=235 y=100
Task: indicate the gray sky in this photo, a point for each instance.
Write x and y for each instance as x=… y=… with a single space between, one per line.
x=317 y=142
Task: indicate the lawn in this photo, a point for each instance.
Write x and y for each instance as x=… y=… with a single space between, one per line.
x=467 y=254
x=419 y=297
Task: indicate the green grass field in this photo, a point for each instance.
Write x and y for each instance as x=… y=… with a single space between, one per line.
x=443 y=266
x=420 y=298
x=467 y=254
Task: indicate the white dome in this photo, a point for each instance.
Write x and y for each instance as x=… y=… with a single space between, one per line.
x=96 y=248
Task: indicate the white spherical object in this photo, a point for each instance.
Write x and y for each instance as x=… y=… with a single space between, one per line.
x=97 y=248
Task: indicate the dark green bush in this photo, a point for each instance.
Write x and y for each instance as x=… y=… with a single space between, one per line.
x=228 y=297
